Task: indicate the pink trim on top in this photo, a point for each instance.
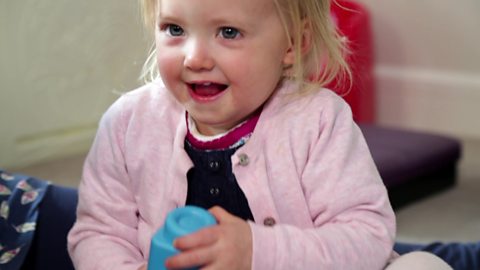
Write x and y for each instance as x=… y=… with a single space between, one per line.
x=228 y=139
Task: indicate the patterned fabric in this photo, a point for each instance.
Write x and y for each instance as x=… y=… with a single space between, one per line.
x=20 y=197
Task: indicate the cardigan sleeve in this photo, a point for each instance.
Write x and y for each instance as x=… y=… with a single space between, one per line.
x=353 y=224
x=105 y=235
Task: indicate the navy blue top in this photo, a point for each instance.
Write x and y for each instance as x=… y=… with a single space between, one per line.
x=460 y=256
x=211 y=181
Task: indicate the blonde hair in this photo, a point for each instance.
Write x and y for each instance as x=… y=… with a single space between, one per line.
x=322 y=63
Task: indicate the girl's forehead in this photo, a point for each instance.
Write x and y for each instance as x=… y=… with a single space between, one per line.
x=214 y=7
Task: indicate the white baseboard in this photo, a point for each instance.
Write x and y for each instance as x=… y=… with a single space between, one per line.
x=50 y=146
x=430 y=100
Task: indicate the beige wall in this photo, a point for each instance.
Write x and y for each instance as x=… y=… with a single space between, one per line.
x=62 y=64
x=63 y=61
x=428 y=64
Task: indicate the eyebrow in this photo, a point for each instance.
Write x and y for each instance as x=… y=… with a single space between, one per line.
x=172 y=15
x=168 y=18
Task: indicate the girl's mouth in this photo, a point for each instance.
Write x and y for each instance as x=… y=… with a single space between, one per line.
x=207 y=90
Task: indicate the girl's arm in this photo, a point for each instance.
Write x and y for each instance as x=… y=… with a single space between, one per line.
x=353 y=222
x=105 y=233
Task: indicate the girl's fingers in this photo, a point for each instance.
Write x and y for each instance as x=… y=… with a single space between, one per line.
x=190 y=258
x=203 y=237
x=206 y=236
x=215 y=247
x=220 y=214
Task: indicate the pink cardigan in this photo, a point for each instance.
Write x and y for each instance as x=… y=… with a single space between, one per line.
x=306 y=168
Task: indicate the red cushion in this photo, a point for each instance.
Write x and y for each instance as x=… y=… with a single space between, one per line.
x=353 y=21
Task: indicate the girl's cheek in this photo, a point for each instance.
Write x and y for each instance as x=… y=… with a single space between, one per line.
x=167 y=65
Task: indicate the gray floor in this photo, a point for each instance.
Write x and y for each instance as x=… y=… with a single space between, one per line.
x=453 y=215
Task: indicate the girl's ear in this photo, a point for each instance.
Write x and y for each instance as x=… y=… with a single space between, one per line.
x=305 y=46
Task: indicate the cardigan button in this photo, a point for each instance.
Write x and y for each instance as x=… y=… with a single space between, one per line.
x=269 y=221
x=243 y=159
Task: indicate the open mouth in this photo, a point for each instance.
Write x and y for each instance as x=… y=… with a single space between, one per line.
x=207 y=89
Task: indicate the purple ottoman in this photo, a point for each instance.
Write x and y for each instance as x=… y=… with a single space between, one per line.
x=412 y=164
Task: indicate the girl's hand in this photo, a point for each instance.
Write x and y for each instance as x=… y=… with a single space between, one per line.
x=143 y=267
x=227 y=245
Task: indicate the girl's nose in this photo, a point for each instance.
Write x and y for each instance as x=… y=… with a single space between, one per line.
x=198 y=57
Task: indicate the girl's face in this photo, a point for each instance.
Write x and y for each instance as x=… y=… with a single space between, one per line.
x=221 y=59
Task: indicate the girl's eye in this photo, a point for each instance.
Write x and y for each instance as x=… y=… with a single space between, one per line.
x=173 y=30
x=229 y=32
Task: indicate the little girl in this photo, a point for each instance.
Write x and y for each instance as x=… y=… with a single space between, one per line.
x=233 y=125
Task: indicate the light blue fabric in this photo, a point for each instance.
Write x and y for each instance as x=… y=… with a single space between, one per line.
x=20 y=197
